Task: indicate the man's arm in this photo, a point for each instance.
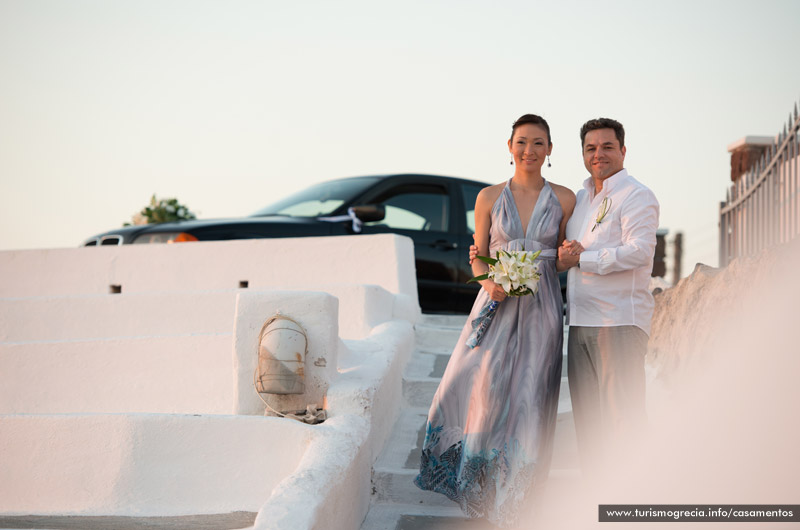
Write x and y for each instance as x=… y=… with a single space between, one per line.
x=639 y=222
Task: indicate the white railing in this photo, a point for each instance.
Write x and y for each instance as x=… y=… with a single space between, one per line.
x=761 y=207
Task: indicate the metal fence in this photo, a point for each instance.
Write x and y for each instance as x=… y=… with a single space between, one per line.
x=761 y=207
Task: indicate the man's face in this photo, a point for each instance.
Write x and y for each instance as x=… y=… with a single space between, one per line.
x=602 y=154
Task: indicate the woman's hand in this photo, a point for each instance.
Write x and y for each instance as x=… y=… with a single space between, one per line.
x=496 y=292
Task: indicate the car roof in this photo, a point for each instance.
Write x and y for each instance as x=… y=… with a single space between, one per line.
x=417 y=175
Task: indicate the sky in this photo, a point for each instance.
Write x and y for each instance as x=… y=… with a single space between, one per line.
x=231 y=105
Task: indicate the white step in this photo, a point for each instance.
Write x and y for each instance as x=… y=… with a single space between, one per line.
x=397 y=486
x=105 y=316
x=404 y=516
x=397 y=503
x=419 y=391
x=430 y=338
x=436 y=510
x=182 y=374
x=404 y=440
x=561 y=484
x=397 y=465
x=424 y=364
x=444 y=321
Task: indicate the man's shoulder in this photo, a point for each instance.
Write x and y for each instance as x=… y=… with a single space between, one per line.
x=633 y=181
x=635 y=189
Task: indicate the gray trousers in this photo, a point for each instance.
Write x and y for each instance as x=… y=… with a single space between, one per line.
x=605 y=366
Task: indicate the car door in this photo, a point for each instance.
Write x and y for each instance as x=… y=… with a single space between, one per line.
x=466 y=292
x=422 y=209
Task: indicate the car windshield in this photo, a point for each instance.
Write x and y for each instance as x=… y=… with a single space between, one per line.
x=320 y=199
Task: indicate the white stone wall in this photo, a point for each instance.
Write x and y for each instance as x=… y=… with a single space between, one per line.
x=316 y=313
x=144 y=464
x=141 y=403
x=386 y=260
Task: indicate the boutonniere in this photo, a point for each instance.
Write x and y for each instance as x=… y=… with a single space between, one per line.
x=605 y=206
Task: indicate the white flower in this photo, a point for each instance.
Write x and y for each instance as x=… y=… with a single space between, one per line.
x=517 y=272
x=532 y=283
x=505 y=283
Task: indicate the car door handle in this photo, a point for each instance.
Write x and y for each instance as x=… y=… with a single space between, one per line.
x=444 y=244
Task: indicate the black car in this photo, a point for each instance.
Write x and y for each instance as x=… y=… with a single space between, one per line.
x=436 y=212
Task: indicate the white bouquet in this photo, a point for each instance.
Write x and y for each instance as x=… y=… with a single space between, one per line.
x=517 y=272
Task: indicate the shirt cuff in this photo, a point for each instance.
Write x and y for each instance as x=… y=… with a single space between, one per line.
x=589 y=261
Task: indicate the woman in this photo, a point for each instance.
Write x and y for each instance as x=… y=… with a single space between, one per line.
x=491 y=424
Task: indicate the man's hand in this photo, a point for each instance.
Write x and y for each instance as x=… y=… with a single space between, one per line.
x=569 y=253
x=473 y=250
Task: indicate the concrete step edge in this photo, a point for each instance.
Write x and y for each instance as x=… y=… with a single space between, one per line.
x=418 y=509
x=398 y=487
x=220 y=521
x=403 y=439
x=435 y=351
x=387 y=516
x=429 y=319
x=395 y=471
x=555 y=474
x=421 y=379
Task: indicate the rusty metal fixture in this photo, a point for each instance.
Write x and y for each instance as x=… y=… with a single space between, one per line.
x=282 y=349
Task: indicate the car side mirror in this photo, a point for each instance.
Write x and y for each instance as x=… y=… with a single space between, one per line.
x=370 y=212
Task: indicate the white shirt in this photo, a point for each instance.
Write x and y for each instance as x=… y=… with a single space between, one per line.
x=611 y=286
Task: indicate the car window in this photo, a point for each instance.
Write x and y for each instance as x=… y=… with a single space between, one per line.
x=470 y=193
x=319 y=199
x=416 y=210
x=311 y=208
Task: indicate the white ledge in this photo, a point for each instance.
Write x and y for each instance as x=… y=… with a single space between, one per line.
x=751 y=140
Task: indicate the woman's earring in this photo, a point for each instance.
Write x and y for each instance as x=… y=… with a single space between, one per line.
x=511 y=163
x=548 y=161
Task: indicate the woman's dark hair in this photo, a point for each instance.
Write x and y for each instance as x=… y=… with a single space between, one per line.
x=604 y=123
x=533 y=119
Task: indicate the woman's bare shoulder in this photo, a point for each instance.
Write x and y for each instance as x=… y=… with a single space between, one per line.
x=565 y=195
x=489 y=194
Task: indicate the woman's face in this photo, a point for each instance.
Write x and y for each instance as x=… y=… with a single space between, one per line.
x=529 y=146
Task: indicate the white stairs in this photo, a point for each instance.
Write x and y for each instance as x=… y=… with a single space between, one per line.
x=397 y=504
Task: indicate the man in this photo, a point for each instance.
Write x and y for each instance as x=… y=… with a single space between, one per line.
x=609 y=246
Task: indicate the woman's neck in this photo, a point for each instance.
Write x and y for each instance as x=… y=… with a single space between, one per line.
x=528 y=180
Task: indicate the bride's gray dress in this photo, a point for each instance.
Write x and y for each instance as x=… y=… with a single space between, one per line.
x=490 y=427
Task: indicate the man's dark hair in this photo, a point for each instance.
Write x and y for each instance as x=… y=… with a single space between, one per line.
x=604 y=123
x=533 y=119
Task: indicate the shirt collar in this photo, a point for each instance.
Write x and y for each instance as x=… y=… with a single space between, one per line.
x=609 y=184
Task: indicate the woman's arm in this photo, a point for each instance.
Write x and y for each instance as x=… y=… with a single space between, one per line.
x=483 y=222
